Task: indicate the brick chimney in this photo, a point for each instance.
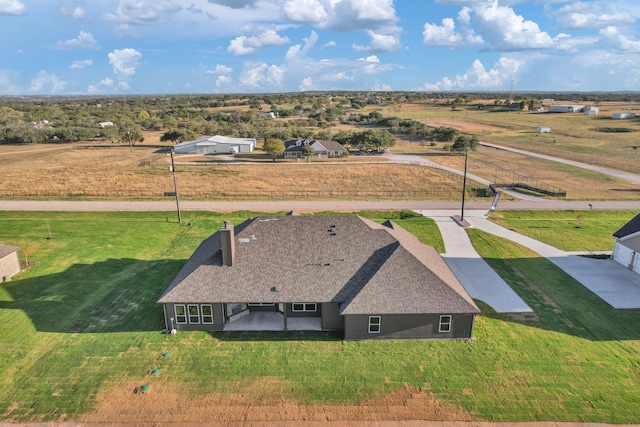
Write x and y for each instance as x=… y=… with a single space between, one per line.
x=227 y=243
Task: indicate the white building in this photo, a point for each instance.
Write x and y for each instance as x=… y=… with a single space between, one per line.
x=627 y=245
x=590 y=110
x=9 y=262
x=566 y=108
x=624 y=115
x=543 y=129
x=217 y=144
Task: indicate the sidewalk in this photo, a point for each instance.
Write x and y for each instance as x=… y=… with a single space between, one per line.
x=477 y=277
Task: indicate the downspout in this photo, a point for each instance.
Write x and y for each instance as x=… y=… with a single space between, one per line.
x=164 y=309
x=285 y=316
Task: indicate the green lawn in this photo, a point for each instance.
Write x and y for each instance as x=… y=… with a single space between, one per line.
x=84 y=320
x=567 y=230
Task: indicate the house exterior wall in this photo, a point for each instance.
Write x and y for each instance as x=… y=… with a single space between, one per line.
x=291 y=313
x=331 y=318
x=218 y=318
x=623 y=115
x=622 y=254
x=543 y=129
x=632 y=243
x=407 y=326
x=9 y=265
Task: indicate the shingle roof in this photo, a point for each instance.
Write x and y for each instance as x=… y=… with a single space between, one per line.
x=6 y=250
x=629 y=228
x=364 y=266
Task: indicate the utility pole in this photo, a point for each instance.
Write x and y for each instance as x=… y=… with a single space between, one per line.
x=175 y=186
x=464 y=182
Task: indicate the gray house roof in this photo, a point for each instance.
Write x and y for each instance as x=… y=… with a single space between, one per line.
x=629 y=228
x=364 y=266
x=6 y=250
x=295 y=145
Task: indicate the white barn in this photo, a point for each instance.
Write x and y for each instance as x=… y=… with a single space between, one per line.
x=590 y=110
x=624 y=115
x=543 y=129
x=566 y=108
x=627 y=245
x=217 y=144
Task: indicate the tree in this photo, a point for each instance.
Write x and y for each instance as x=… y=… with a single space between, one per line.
x=464 y=143
x=373 y=139
x=274 y=147
x=308 y=151
x=444 y=133
x=177 y=136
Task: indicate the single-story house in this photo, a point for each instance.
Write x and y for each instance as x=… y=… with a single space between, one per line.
x=624 y=115
x=566 y=108
x=627 y=244
x=294 y=147
x=9 y=262
x=543 y=129
x=217 y=144
x=271 y=114
x=325 y=273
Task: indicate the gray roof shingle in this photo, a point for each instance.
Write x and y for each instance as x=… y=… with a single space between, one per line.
x=6 y=250
x=364 y=266
x=629 y=228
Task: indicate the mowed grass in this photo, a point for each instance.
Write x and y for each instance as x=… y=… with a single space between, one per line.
x=567 y=230
x=83 y=320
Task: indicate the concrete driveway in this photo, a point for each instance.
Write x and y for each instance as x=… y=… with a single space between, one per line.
x=611 y=281
x=477 y=277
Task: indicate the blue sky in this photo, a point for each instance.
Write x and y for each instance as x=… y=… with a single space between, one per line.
x=107 y=47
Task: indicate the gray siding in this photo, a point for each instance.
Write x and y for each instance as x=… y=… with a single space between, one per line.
x=632 y=243
x=218 y=319
x=331 y=319
x=407 y=326
x=291 y=313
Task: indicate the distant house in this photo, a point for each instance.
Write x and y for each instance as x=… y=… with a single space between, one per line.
x=105 y=124
x=272 y=114
x=624 y=115
x=566 y=108
x=217 y=144
x=294 y=147
x=590 y=110
x=325 y=273
x=9 y=262
x=543 y=129
x=627 y=245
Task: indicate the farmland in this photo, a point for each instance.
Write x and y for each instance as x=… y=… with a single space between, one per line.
x=81 y=331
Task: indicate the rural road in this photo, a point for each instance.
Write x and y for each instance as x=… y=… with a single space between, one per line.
x=308 y=206
x=627 y=176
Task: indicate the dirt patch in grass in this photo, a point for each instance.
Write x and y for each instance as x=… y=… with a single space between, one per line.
x=164 y=402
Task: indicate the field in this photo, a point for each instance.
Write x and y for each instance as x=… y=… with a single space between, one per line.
x=81 y=330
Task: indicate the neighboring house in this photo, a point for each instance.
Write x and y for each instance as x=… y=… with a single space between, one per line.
x=566 y=108
x=628 y=244
x=543 y=129
x=9 y=262
x=294 y=147
x=270 y=114
x=331 y=273
x=217 y=144
x=624 y=115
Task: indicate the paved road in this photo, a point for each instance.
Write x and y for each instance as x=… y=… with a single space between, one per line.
x=627 y=176
x=308 y=206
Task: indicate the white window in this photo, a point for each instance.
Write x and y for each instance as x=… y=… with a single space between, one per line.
x=194 y=313
x=298 y=306
x=207 y=314
x=374 y=324
x=445 y=323
x=181 y=313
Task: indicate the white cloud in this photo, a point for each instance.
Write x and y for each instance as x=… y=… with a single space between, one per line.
x=372 y=58
x=478 y=77
x=85 y=40
x=592 y=15
x=220 y=69
x=80 y=64
x=45 y=80
x=613 y=38
x=105 y=84
x=260 y=76
x=125 y=61
x=235 y=4
x=502 y=29
x=306 y=84
x=375 y=17
x=139 y=13
x=223 y=81
x=12 y=7
x=329 y=44
x=73 y=10
x=243 y=45
x=7 y=82
x=299 y=50
x=444 y=35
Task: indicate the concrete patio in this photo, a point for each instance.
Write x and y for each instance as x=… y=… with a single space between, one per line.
x=272 y=321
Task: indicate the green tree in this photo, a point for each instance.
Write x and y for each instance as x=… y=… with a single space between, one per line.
x=308 y=151
x=464 y=143
x=273 y=147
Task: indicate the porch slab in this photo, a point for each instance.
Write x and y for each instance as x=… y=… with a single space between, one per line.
x=272 y=321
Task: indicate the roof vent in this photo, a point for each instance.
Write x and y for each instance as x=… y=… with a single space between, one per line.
x=274 y=289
